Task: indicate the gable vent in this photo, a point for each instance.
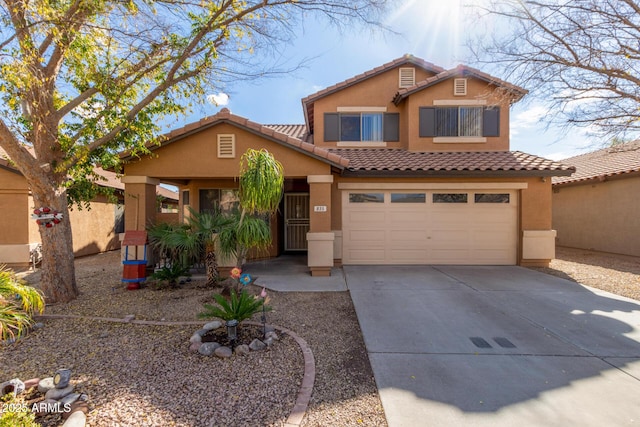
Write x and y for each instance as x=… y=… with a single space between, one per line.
x=407 y=77
x=226 y=146
x=459 y=87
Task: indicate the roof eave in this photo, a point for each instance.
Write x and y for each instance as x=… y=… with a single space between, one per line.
x=455 y=173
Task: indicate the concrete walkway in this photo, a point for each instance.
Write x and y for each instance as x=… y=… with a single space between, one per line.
x=497 y=346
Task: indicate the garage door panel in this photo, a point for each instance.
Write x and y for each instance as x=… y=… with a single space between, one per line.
x=430 y=233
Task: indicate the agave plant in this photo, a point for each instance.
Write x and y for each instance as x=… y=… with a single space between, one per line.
x=238 y=307
x=18 y=303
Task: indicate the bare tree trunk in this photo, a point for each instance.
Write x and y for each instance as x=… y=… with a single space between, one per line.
x=212 y=267
x=58 y=281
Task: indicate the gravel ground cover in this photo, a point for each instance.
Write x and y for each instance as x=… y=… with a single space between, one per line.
x=613 y=273
x=145 y=375
x=139 y=375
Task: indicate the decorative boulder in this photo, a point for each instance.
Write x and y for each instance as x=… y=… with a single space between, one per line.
x=212 y=325
x=257 y=345
x=207 y=348
x=45 y=385
x=195 y=338
x=242 y=349
x=59 y=393
x=223 y=352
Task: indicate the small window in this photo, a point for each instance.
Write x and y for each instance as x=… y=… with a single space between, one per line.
x=450 y=198
x=226 y=146
x=361 y=127
x=459 y=87
x=214 y=200
x=366 y=197
x=491 y=198
x=185 y=198
x=408 y=198
x=407 y=77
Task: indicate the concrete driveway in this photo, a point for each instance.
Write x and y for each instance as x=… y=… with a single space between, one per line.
x=497 y=346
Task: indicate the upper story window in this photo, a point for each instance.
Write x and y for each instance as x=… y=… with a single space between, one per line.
x=361 y=127
x=462 y=121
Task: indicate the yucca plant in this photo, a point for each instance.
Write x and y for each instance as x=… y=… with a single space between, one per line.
x=18 y=303
x=238 y=307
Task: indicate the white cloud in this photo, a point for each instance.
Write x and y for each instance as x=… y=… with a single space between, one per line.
x=218 y=99
x=527 y=119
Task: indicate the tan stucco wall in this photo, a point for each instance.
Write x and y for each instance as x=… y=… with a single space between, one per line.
x=602 y=216
x=94 y=230
x=476 y=90
x=14 y=205
x=195 y=156
x=379 y=91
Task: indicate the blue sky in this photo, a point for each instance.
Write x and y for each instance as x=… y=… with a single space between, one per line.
x=433 y=30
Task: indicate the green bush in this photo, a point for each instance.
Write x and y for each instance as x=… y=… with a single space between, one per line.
x=18 y=303
x=236 y=307
x=16 y=418
x=171 y=274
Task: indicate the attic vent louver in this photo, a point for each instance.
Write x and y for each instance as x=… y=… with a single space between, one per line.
x=407 y=77
x=459 y=87
x=226 y=146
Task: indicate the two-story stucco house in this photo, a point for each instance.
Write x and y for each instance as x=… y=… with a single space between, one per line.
x=407 y=163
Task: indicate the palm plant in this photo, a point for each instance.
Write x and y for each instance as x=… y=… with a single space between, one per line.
x=237 y=307
x=18 y=303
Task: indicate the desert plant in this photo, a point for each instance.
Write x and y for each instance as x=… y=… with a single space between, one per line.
x=20 y=416
x=18 y=303
x=170 y=274
x=238 y=307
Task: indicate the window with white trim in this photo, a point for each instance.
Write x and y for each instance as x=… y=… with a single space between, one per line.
x=459 y=121
x=361 y=126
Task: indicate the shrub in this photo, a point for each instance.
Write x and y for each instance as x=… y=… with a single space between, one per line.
x=18 y=303
x=240 y=307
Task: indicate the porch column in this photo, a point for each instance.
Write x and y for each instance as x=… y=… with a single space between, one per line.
x=139 y=201
x=320 y=237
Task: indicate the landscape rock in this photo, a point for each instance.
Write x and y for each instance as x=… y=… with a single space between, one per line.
x=33 y=382
x=257 y=345
x=78 y=406
x=45 y=384
x=195 y=346
x=223 y=352
x=38 y=325
x=76 y=419
x=212 y=325
x=59 y=393
x=201 y=332
x=195 y=338
x=70 y=398
x=242 y=349
x=269 y=342
x=272 y=335
x=207 y=348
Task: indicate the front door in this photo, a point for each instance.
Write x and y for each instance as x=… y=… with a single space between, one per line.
x=296 y=220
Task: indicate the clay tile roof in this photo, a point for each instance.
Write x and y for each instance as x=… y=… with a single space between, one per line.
x=405 y=59
x=398 y=161
x=287 y=135
x=296 y=131
x=460 y=71
x=617 y=160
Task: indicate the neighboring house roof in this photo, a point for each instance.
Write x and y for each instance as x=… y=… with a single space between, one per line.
x=307 y=102
x=616 y=160
x=295 y=131
x=392 y=161
x=111 y=180
x=271 y=132
x=460 y=71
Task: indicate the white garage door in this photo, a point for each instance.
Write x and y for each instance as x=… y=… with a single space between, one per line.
x=429 y=227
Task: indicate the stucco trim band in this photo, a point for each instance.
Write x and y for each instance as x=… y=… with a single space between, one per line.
x=433 y=186
x=320 y=179
x=139 y=180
